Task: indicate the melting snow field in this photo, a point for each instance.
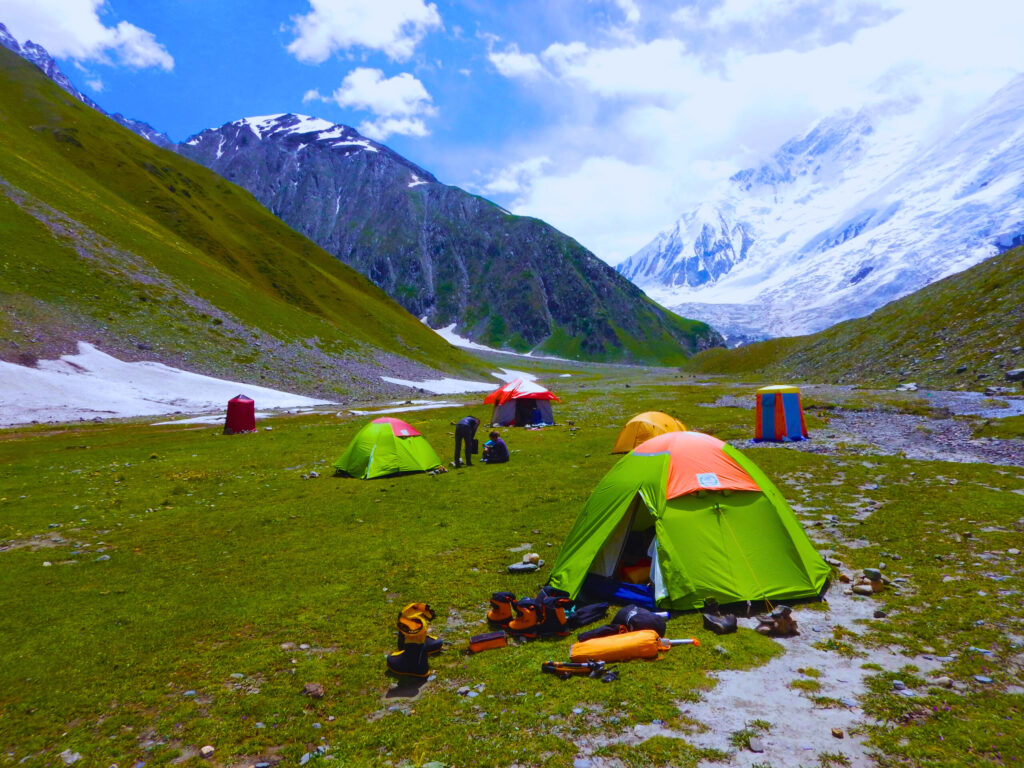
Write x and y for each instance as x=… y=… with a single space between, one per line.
x=457 y=386
x=92 y=384
x=448 y=334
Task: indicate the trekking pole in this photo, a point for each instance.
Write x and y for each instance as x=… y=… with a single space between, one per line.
x=685 y=641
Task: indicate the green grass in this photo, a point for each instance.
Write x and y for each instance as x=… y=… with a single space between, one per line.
x=1010 y=428
x=220 y=554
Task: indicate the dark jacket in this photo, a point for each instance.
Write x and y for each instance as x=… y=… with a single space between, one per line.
x=468 y=426
x=495 y=451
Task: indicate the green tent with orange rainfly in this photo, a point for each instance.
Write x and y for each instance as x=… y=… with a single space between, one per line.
x=685 y=517
x=387 y=446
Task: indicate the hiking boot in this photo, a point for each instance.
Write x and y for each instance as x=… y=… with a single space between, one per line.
x=528 y=616
x=409 y=662
x=411 y=657
x=418 y=610
x=413 y=629
x=501 y=608
x=720 y=625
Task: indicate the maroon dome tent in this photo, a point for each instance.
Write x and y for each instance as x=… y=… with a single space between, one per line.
x=241 y=415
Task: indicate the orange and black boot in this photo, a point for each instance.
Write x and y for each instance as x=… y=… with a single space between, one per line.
x=557 y=611
x=411 y=657
x=501 y=608
x=529 y=615
x=425 y=613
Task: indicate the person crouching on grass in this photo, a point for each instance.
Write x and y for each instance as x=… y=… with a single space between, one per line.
x=495 y=450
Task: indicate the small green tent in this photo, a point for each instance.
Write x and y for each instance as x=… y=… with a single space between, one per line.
x=387 y=446
x=712 y=524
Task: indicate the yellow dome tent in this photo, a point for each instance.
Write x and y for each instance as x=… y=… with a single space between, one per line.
x=643 y=427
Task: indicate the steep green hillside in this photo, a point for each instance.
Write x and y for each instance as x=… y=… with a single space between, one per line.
x=966 y=330
x=108 y=239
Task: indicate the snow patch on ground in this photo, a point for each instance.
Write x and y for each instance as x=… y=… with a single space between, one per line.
x=458 y=386
x=442 y=386
x=92 y=384
x=448 y=334
x=406 y=408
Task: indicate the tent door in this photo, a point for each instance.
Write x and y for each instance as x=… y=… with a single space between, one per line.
x=638 y=518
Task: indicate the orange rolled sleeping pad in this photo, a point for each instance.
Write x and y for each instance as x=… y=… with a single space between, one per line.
x=641 y=644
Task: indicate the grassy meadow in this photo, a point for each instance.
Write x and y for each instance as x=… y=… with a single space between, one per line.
x=168 y=587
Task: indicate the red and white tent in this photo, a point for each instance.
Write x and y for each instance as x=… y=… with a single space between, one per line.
x=520 y=404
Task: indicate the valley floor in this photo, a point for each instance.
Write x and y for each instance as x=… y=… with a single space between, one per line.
x=188 y=585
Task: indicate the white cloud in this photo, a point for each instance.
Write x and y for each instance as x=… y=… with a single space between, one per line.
x=95 y=84
x=512 y=63
x=394 y=27
x=646 y=127
x=619 y=205
x=516 y=179
x=366 y=88
x=380 y=129
x=630 y=9
x=138 y=49
x=73 y=29
x=400 y=103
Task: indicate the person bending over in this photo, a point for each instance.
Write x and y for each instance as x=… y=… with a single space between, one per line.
x=464 y=433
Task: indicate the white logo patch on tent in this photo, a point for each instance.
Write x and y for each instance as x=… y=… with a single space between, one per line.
x=708 y=480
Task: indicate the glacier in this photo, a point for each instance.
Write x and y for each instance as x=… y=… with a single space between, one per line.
x=859 y=211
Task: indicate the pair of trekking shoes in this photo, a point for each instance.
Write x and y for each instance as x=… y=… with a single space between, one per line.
x=547 y=615
x=415 y=643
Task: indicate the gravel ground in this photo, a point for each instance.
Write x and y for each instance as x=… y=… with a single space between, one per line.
x=921 y=438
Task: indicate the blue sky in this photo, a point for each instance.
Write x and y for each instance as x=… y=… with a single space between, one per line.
x=607 y=118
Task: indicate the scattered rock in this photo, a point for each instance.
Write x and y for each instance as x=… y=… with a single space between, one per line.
x=314 y=690
x=102 y=559
x=314 y=475
x=69 y=757
x=837 y=733
x=898 y=685
x=755 y=744
x=834 y=562
x=879 y=614
x=1013 y=551
x=872 y=574
x=983 y=678
x=206 y=752
x=863 y=589
x=523 y=567
x=945 y=682
x=531 y=557
x=1017 y=374
x=909 y=386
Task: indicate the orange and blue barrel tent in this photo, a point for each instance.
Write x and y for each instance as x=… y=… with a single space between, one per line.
x=779 y=415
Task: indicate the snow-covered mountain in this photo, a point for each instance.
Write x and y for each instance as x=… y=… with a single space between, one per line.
x=856 y=213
